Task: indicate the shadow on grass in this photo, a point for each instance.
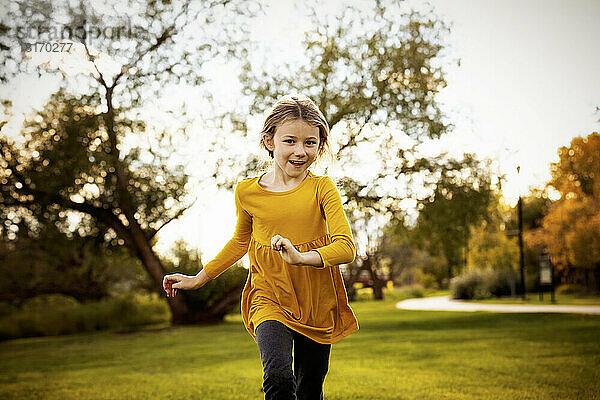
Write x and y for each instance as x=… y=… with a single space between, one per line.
x=147 y=330
x=465 y=326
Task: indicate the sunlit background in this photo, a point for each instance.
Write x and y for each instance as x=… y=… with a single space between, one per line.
x=501 y=212
x=522 y=81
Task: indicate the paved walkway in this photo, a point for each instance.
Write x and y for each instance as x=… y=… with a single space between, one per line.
x=444 y=303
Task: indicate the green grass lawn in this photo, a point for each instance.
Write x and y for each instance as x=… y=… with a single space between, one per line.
x=395 y=355
x=534 y=299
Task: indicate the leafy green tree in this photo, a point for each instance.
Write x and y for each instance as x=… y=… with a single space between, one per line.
x=459 y=202
x=375 y=74
x=46 y=261
x=535 y=208
x=490 y=247
x=219 y=296
x=89 y=150
x=409 y=264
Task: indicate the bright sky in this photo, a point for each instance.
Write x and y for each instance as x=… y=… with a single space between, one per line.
x=527 y=84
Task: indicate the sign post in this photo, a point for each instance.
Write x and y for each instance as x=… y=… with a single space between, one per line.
x=546 y=275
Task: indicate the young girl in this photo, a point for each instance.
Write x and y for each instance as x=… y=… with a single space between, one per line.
x=292 y=225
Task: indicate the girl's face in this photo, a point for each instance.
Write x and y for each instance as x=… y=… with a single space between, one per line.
x=295 y=146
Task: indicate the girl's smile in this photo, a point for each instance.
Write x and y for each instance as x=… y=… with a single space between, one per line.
x=295 y=145
x=298 y=164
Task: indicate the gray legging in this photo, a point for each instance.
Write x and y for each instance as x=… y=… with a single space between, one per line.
x=311 y=361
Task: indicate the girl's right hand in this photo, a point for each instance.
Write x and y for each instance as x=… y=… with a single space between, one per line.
x=172 y=282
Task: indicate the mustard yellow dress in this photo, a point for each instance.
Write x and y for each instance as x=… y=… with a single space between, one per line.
x=310 y=300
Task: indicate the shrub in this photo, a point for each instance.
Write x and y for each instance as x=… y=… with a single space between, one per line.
x=214 y=291
x=569 y=288
x=395 y=294
x=416 y=291
x=482 y=284
x=7 y=308
x=429 y=281
x=499 y=282
x=187 y=261
x=57 y=315
x=465 y=285
x=54 y=301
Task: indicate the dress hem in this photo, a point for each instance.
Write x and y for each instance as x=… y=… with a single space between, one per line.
x=346 y=332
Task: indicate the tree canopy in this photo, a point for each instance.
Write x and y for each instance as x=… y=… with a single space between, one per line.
x=375 y=74
x=89 y=151
x=577 y=173
x=570 y=231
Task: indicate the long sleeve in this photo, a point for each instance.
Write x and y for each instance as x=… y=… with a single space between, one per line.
x=341 y=250
x=237 y=246
x=310 y=301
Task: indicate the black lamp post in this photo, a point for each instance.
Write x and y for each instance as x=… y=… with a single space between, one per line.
x=521 y=256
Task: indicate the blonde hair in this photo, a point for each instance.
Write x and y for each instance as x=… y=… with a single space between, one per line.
x=291 y=108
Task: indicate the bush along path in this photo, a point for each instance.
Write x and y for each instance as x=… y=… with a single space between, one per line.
x=444 y=303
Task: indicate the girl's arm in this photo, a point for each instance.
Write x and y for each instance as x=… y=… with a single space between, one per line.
x=237 y=245
x=292 y=256
x=341 y=250
x=232 y=252
x=172 y=282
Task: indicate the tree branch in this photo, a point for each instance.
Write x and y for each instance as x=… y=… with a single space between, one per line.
x=89 y=55
x=101 y=214
x=174 y=217
x=166 y=34
x=354 y=133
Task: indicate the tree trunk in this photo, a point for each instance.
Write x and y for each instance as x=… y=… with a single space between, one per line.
x=597 y=277
x=354 y=273
x=214 y=314
x=451 y=259
x=378 y=283
x=588 y=287
x=139 y=244
x=142 y=250
x=135 y=238
x=378 y=286
x=466 y=255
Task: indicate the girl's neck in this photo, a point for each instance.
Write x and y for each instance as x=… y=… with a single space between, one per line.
x=277 y=180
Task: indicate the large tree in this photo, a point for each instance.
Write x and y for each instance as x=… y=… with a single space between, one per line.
x=406 y=263
x=577 y=173
x=89 y=150
x=490 y=245
x=375 y=74
x=571 y=229
x=459 y=202
x=41 y=259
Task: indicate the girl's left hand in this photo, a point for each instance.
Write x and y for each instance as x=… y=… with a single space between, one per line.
x=288 y=252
